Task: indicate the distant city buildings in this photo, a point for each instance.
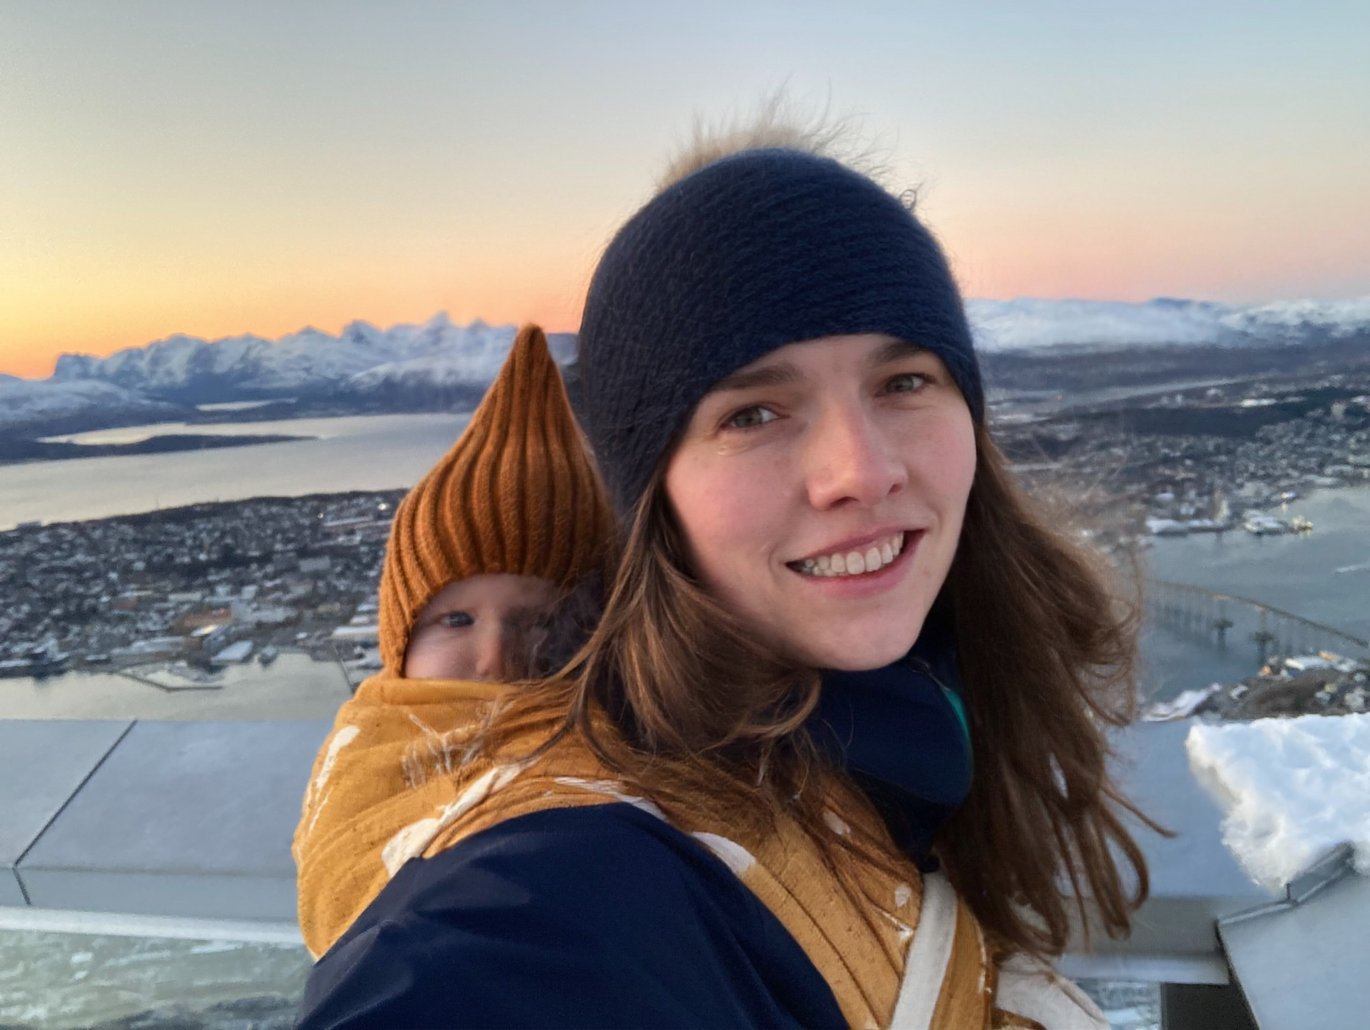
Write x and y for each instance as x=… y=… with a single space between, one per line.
x=1184 y=464
x=210 y=583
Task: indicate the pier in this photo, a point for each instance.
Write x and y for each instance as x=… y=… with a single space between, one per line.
x=1210 y=615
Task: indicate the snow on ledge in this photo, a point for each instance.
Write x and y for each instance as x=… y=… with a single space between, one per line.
x=1290 y=790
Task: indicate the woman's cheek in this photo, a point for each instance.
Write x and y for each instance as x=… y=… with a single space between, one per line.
x=941 y=453
x=715 y=504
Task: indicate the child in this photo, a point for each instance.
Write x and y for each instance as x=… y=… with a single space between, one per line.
x=490 y=575
x=496 y=533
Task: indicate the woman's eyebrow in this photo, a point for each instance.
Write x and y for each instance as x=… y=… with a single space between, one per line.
x=895 y=350
x=780 y=373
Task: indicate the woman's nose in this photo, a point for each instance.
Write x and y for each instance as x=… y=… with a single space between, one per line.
x=850 y=458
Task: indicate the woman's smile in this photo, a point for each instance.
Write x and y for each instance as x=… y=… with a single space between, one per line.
x=853 y=558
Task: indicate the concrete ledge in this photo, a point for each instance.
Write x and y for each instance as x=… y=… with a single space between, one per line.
x=1307 y=964
x=250 y=931
x=1144 y=967
x=42 y=764
x=193 y=820
x=179 y=819
x=1195 y=880
x=161 y=892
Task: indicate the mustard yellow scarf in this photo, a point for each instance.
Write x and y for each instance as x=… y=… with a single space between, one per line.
x=395 y=781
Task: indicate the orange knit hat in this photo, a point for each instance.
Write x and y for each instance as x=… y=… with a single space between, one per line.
x=517 y=493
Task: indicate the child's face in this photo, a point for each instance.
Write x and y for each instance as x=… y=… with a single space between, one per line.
x=483 y=627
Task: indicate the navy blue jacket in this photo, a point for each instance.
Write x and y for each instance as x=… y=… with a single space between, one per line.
x=600 y=916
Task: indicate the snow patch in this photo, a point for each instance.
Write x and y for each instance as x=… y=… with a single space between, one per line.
x=614 y=790
x=836 y=823
x=409 y=843
x=340 y=740
x=732 y=854
x=903 y=894
x=363 y=358
x=414 y=839
x=902 y=929
x=1291 y=790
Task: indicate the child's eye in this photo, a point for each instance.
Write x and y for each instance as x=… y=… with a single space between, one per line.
x=456 y=620
x=906 y=382
x=750 y=418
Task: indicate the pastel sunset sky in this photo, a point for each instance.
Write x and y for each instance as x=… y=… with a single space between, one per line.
x=252 y=167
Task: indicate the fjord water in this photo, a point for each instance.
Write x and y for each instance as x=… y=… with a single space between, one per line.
x=65 y=981
x=1323 y=576
x=354 y=452
x=294 y=686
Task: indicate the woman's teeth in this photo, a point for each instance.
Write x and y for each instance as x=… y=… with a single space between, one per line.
x=854 y=563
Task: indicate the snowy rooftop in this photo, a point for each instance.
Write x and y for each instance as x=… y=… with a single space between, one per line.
x=1291 y=790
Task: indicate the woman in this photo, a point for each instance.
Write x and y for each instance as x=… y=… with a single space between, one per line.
x=731 y=807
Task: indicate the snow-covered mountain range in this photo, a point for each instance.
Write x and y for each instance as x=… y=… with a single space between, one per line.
x=1028 y=324
x=361 y=357
x=432 y=363
x=438 y=360
x=24 y=401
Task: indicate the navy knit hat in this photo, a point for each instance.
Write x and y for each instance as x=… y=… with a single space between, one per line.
x=755 y=251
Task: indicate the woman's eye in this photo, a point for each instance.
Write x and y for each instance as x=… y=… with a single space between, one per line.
x=456 y=620
x=750 y=418
x=907 y=382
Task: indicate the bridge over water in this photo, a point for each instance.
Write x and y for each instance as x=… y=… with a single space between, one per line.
x=1211 y=615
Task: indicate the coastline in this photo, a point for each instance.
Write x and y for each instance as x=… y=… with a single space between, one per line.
x=22 y=451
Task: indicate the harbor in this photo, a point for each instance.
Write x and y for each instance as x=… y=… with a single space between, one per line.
x=295 y=686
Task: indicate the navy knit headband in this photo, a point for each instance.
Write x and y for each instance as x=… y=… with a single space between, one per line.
x=753 y=252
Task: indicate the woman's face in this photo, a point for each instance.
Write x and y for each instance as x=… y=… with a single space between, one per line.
x=483 y=627
x=821 y=491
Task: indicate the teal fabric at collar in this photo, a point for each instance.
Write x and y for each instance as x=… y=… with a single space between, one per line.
x=901 y=732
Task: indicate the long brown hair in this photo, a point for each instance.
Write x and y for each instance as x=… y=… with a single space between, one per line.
x=702 y=711
x=1047 y=659
x=699 y=708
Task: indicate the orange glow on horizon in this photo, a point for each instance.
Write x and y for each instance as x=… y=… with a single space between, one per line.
x=102 y=300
